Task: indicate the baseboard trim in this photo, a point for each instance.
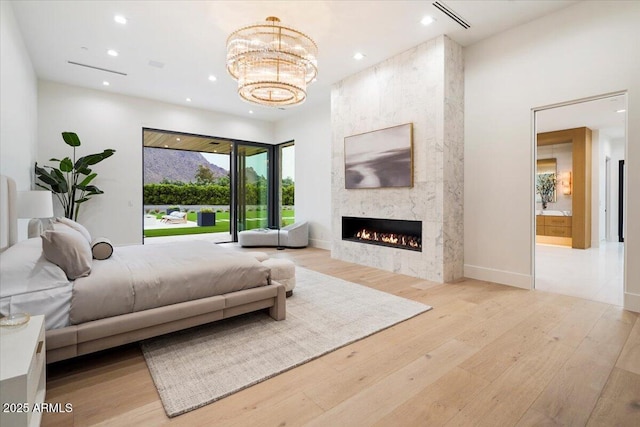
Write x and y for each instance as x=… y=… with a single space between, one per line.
x=321 y=244
x=632 y=302
x=509 y=278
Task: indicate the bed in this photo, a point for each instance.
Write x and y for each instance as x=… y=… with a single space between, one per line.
x=137 y=293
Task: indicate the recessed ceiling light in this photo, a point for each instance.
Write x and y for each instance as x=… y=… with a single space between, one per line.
x=177 y=139
x=120 y=19
x=621 y=111
x=250 y=111
x=213 y=78
x=166 y=146
x=427 y=20
x=105 y=83
x=112 y=52
x=188 y=99
x=358 y=56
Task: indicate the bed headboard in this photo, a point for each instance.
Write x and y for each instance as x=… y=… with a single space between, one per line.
x=8 y=213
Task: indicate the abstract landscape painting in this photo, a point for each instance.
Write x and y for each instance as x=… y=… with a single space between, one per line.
x=379 y=159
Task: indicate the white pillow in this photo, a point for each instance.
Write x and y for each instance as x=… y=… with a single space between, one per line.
x=69 y=250
x=178 y=214
x=76 y=226
x=24 y=269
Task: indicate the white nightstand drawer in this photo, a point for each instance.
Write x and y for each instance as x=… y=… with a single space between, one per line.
x=22 y=373
x=36 y=367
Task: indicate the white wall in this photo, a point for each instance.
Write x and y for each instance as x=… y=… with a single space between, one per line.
x=105 y=120
x=18 y=103
x=312 y=134
x=584 y=50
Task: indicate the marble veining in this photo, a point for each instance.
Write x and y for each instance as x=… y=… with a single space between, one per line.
x=424 y=86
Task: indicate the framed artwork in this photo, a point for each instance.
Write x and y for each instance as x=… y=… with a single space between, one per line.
x=546 y=178
x=379 y=159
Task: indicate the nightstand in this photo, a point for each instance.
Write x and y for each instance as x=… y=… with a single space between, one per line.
x=22 y=373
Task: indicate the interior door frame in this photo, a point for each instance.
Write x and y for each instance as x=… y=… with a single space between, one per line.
x=532 y=172
x=621 y=190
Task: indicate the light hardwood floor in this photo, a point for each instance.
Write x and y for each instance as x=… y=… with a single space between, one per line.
x=485 y=355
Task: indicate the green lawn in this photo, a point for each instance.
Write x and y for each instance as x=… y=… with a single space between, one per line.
x=255 y=219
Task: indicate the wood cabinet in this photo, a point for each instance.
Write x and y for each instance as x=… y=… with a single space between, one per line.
x=22 y=373
x=558 y=226
x=580 y=138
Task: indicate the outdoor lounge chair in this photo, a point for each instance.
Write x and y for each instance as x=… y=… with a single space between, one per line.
x=175 y=217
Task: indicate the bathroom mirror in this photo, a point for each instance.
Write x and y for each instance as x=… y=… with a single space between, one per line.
x=546 y=178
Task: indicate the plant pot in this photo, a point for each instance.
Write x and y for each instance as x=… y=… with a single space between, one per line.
x=206 y=219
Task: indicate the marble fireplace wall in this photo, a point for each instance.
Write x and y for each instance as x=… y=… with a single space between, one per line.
x=423 y=86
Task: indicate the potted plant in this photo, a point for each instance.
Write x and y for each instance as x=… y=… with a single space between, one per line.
x=71 y=180
x=206 y=217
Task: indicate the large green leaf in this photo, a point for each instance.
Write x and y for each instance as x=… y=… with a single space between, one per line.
x=62 y=182
x=92 y=159
x=92 y=190
x=56 y=181
x=86 y=181
x=66 y=165
x=71 y=139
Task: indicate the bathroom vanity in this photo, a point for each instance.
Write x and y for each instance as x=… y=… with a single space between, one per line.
x=548 y=225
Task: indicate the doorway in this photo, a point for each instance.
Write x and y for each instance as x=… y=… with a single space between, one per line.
x=584 y=202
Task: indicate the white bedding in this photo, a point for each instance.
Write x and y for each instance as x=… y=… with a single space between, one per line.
x=142 y=277
x=29 y=283
x=135 y=278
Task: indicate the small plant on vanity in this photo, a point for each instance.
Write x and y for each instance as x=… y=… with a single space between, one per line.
x=546 y=187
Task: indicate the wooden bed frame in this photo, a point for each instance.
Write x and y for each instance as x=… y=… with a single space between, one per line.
x=84 y=338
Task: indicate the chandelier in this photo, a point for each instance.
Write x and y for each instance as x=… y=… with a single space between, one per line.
x=272 y=63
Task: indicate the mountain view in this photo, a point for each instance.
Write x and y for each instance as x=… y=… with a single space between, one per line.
x=175 y=165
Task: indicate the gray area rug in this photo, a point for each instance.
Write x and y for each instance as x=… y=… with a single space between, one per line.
x=198 y=366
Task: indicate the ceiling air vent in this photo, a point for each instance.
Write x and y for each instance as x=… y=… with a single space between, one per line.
x=451 y=14
x=97 y=68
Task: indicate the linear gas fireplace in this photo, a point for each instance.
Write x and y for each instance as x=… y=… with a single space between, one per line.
x=384 y=232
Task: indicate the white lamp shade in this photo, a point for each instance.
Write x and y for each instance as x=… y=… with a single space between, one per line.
x=35 y=204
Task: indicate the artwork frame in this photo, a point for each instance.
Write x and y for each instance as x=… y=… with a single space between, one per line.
x=546 y=181
x=381 y=158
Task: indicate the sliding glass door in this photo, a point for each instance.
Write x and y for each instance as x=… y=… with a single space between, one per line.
x=253 y=203
x=285 y=179
x=240 y=185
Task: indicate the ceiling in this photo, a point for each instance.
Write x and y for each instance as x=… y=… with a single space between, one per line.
x=163 y=139
x=607 y=115
x=168 y=49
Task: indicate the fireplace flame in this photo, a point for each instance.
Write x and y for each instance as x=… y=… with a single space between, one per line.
x=390 y=238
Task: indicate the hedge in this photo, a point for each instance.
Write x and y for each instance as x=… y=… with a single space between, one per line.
x=207 y=194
